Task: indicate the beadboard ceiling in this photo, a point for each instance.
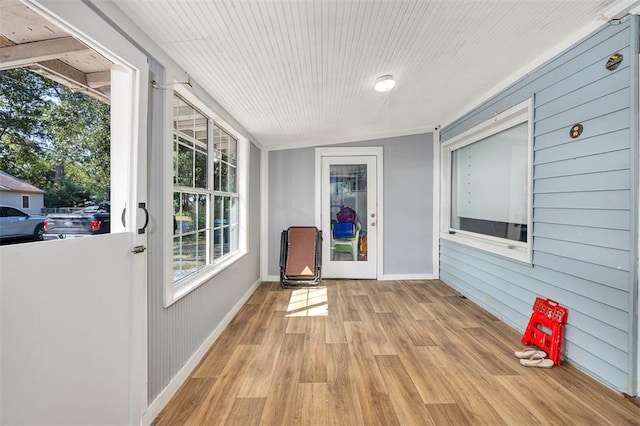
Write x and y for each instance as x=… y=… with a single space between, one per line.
x=301 y=73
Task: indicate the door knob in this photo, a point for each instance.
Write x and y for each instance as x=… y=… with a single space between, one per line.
x=373 y=224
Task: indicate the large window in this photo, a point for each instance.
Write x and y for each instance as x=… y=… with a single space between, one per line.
x=205 y=193
x=488 y=184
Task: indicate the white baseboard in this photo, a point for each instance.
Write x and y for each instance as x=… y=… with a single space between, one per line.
x=394 y=277
x=398 y=277
x=167 y=393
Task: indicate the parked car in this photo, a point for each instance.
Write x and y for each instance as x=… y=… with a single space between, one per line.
x=16 y=224
x=91 y=220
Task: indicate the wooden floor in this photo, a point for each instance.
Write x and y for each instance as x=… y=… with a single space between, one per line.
x=380 y=353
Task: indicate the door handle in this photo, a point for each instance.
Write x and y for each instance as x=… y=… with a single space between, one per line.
x=143 y=206
x=373 y=224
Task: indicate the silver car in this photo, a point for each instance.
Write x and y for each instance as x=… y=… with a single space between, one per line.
x=16 y=224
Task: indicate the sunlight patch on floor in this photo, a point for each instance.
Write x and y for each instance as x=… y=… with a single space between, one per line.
x=308 y=302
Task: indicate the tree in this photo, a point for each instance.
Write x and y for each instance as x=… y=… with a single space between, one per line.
x=54 y=138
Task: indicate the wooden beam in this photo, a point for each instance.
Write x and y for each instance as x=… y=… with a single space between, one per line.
x=38 y=51
x=99 y=79
x=58 y=68
x=65 y=74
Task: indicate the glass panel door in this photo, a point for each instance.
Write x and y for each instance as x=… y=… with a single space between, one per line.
x=349 y=217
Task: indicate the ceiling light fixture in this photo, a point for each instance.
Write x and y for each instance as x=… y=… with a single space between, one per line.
x=384 y=83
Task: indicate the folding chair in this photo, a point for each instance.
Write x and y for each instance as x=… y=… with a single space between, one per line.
x=300 y=257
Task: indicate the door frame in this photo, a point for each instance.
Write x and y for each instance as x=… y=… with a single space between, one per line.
x=374 y=151
x=131 y=79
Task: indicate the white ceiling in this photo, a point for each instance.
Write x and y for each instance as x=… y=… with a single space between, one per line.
x=301 y=73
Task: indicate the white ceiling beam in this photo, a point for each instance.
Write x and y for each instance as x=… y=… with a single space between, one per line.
x=38 y=51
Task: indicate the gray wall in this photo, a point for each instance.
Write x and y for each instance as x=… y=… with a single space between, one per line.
x=408 y=205
x=176 y=332
x=584 y=214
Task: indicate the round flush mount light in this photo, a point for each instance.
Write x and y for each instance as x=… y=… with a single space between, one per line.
x=384 y=83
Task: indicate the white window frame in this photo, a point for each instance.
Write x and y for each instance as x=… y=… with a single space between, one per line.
x=516 y=250
x=22 y=199
x=174 y=291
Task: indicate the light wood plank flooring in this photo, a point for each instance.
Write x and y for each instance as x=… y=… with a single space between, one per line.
x=380 y=353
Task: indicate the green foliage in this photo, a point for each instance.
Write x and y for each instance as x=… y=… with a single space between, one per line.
x=65 y=192
x=54 y=138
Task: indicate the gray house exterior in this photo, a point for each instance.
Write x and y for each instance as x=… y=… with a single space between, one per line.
x=584 y=207
x=21 y=195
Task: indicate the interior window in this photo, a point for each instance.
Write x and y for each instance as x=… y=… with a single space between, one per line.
x=205 y=191
x=487 y=185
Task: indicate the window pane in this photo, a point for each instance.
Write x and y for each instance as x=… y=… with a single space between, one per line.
x=178 y=105
x=489 y=185
x=218 y=222
x=233 y=229
x=232 y=151
x=228 y=209
x=231 y=179
x=217 y=169
x=175 y=162
x=185 y=166
x=185 y=260
x=202 y=212
x=201 y=249
x=189 y=212
x=201 y=169
x=224 y=176
x=226 y=144
x=177 y=224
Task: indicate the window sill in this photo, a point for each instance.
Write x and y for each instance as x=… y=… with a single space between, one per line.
x=199 y=278
x=518 y=253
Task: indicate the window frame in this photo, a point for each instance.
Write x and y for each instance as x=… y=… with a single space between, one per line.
x=516 y=250
x=174 y=291
x=27 y=198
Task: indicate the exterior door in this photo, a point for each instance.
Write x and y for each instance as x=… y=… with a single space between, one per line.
x=73 y=312
x=349 y=215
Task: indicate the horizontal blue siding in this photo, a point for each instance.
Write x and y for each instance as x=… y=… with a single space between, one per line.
x=612 y=102
x=583 y=232
x=597 y=237
x=602 y=125
x=582 y=182
x=585 y=146
x=567 y=98
x=607 y=200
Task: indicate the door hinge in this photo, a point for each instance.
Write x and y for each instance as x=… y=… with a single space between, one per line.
x=138 y=249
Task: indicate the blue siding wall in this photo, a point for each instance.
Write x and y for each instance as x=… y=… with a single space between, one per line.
x=584 y=200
